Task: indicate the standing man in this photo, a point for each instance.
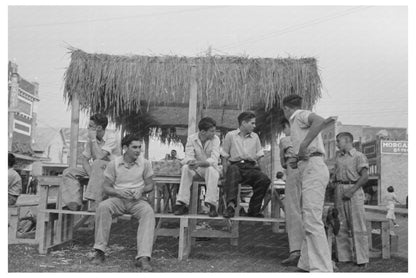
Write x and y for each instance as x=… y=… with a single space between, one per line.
x=242 y=151
x=305 y=128
x=351 y=173
x=15 y=181
x=127 y=178
x=100 y=148
x=293 y=213
x=202 y=152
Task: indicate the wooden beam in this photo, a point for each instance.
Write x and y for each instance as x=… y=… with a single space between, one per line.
x=193 y=95
x=73 y=144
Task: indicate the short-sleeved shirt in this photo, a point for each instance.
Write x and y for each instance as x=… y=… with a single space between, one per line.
x=128 y=175
x=236 y=147
x=210 y=151
x=108 y=143
x=299 y=128
x=349 y=165
x=15 y=182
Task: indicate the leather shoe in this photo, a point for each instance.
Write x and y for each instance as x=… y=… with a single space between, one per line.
x=180 y=209
x=292 y=260
x=99 y=257
x=258 y=215
x=229 y=212
x=212 y=210
x=144 y=263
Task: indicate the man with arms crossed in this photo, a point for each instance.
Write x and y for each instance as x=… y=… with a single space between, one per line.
x=127 y=178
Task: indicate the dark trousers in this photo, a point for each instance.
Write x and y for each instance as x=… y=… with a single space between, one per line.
x=250 y=174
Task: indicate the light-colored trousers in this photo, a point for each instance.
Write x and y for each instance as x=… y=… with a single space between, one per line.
x=352 y=239
x=293 y=214
x=140 y=210
x=211 y=177
x=315 y=255
x=72 y=191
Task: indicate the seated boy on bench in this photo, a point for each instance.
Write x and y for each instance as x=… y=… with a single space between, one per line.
x=202 y=152
x=127 y=178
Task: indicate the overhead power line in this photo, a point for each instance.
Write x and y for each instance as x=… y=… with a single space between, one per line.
x=112 y=18
x=296 y=27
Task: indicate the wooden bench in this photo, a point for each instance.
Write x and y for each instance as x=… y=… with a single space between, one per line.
x=384 y=225
x=55 y=226
x=24 y=203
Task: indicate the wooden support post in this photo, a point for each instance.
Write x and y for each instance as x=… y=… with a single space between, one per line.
x=184 y=239
x=370 y=234
x=42 y=218
x=73 y=144
x=385 y=239
x=235 y=224
x=193 y=95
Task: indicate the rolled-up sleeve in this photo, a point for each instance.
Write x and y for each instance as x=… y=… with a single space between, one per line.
x=226 y=146
x=110 y=171
x=303 y=118
x=189 y=151
x=362 y=162
x=148 y=170
x=215 y=152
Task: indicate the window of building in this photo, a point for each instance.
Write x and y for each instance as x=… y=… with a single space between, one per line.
x=21 y=127
x=25 y=106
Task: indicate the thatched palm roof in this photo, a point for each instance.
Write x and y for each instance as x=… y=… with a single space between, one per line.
x=117 y=85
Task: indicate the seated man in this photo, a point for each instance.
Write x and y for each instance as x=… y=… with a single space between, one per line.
x=201 y=157
x=101 y=148
x=127 y=178
x=15 y=181
x=243 y=151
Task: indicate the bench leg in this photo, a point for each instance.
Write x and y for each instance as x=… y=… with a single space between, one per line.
x=370 y=235
x=235 y=224
x=13 y=223
x=184 y=239
x=193 y=208
x=385 y=240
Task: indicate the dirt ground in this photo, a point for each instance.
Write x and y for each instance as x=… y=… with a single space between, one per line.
x=259 y=250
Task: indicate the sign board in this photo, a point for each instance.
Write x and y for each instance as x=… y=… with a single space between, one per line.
x=394 y=147
x=369 y=149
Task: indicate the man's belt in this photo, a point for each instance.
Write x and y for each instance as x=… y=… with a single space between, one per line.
x=243 y=161
x=346 y=182
x=316 y=154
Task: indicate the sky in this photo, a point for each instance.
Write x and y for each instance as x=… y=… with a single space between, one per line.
x=362 y=51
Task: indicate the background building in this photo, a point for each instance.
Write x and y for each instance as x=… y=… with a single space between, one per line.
x=22 y=98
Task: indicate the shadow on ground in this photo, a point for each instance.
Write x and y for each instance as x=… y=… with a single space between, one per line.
x=259 y=250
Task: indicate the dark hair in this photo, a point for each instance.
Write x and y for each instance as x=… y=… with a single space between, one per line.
x=346 y=134
x=173 y=151
x=245 y=116
x=390 y=189
x=279 y=175
x=12 y=160
x=284 y=122
x=293 y=101
x=126 y=141
x=100 y=119
x=206 y=123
